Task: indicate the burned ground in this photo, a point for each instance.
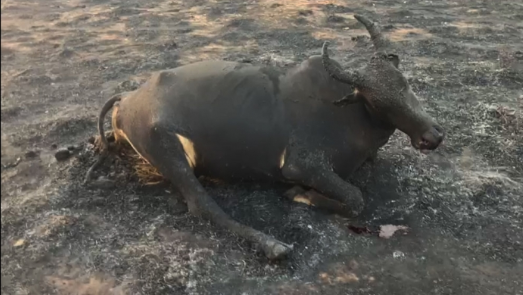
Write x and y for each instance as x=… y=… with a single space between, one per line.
x=62 y=59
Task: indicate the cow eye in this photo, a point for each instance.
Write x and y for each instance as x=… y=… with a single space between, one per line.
x=392 y=56
x=394 y=59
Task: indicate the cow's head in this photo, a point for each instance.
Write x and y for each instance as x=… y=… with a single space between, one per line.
x=387 y=92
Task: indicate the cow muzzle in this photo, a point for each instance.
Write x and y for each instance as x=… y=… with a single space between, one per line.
x=431 y=139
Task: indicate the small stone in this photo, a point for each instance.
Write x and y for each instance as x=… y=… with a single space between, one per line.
x=305 y=12
x=335 y=19
x=171 y=45
x=71 y=148
x=62 y=154
x=128 y=85
x=31 y=154
x=19 y=243
x=54 y=146
x=398 y=254
x=103 y=183
x=66 y=53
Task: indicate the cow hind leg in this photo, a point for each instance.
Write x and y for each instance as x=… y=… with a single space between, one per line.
x=166 y=152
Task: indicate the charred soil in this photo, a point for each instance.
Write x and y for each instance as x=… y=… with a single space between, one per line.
x=463 y=205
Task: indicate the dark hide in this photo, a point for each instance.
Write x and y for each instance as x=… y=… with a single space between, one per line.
x=241 y=118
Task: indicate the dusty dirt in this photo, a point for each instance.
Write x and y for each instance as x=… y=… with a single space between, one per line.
x=462 y=203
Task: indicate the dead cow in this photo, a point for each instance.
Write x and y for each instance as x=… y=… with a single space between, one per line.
x=312 y=125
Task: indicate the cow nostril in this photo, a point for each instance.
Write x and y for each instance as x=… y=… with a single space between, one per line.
x=439 y=132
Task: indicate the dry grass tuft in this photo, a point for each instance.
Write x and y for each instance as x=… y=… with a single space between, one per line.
x=97 y=141
x=147 y=174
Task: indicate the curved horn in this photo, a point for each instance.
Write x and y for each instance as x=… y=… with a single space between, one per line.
x=380 y=42
x=335 y=72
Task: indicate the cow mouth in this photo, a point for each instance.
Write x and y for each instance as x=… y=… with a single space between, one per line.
x=425 y=146
x=429 y=140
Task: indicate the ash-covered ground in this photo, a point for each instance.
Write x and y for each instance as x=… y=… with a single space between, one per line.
x=463 y=203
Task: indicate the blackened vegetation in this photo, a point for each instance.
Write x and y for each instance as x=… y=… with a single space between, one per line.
x=461 y=202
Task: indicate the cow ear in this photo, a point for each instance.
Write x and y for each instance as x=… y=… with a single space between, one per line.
x=348 y=99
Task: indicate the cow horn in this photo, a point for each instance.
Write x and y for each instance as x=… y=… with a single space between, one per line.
x=335 y=72
x=380 y=42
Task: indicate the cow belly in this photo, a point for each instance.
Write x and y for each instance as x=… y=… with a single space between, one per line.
x=236 y=143
x=240 y=161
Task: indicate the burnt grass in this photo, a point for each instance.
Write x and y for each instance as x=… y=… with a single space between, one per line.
x=462 y=203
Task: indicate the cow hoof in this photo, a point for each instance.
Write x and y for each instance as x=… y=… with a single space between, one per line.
x=354 y=210
x=275 y=249
x=356 y=204
x=355 y=213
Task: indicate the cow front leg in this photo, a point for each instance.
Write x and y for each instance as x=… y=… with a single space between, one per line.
x=165 y=151
x=314 y=199
x=319 y=177
x=373 y=156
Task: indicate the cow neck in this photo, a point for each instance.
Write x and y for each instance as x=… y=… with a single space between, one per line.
x=377 y=121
